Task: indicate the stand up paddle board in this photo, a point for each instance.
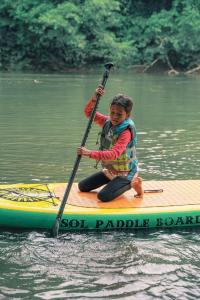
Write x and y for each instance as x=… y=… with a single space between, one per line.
x=165 y=204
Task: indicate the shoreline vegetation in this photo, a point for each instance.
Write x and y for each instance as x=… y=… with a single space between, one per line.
x=139 y=36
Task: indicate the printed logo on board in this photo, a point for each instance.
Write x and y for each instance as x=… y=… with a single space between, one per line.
x=131 y=223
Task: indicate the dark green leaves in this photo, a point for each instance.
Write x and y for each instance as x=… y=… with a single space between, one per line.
x=57 y=34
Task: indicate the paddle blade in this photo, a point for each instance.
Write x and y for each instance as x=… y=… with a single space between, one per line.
x=55 y=229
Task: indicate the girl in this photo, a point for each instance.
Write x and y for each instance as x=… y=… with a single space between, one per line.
x=117 y=150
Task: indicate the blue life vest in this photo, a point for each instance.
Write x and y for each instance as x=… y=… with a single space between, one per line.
x=126 y=163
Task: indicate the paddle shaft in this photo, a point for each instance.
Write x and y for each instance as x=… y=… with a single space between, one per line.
x=56 y=225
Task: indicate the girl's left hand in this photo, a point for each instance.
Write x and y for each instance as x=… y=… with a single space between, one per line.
x=83 y=151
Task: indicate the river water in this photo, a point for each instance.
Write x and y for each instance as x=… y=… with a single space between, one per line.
x=42 y=124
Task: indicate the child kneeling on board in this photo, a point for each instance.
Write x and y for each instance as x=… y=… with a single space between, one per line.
x=117 y=151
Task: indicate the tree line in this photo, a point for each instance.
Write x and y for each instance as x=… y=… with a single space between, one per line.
x=60 y=34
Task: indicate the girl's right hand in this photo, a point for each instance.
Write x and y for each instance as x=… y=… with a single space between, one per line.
x=99 y=90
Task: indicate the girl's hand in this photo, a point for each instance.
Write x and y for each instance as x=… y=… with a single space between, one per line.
x=99 y=90
x=83 y=151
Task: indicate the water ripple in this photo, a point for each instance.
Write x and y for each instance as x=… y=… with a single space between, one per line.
x=36 y=145
x=90 y=266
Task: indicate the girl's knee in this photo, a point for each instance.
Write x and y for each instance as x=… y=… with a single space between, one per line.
x=82 y=187
x=104 y=197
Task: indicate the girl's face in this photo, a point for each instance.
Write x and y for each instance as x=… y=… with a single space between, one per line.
x=117 y=114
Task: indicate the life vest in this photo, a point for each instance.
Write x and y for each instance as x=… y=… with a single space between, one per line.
x=126 y=163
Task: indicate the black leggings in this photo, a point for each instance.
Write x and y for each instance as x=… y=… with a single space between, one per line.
x=114 y=188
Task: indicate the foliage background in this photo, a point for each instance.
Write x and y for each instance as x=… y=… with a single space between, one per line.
x=60 y=34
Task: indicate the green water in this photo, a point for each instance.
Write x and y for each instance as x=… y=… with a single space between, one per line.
x=41 y=125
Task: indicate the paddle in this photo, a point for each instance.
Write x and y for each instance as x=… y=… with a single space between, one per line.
x=56 y=225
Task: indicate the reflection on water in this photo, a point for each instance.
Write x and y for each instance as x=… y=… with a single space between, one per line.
x=42 y=123
x=115 y=265
x=171 y=155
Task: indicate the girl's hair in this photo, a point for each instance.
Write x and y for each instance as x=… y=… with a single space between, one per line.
x=123 y=101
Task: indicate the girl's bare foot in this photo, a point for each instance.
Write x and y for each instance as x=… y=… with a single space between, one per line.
x=137 y=185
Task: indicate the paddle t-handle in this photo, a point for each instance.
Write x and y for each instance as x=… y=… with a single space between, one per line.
x=57 y=222
x=107 y=66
